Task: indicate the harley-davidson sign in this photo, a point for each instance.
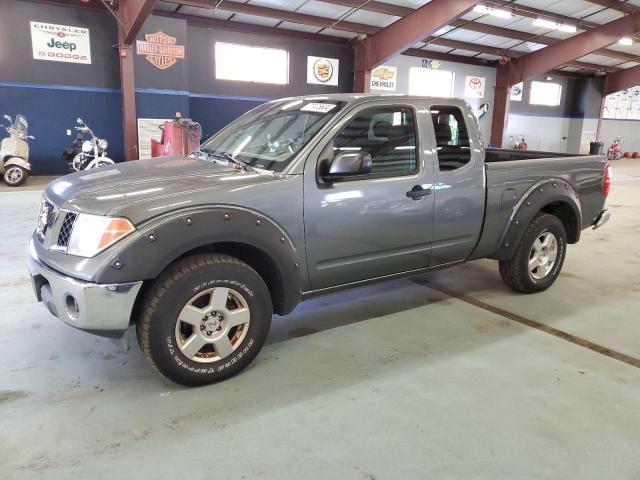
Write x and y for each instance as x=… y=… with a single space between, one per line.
x=160 y=49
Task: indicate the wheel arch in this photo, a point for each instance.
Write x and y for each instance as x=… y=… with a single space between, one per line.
x=243 y=234
x=554 y=196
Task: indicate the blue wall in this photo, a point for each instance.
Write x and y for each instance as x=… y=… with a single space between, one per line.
x=52 y=109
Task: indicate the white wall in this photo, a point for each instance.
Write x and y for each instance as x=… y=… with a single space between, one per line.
x=629 y=130
x=540 y=133
x=461 y=70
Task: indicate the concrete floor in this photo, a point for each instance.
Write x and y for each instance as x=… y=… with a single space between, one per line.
x=393 y=381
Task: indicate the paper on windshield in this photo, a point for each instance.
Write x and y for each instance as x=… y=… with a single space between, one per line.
x=318 y=107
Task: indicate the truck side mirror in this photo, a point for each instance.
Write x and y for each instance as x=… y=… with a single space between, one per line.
x=346 y=164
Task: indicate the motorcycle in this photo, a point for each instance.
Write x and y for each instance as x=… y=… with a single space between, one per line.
x=93 y=152
x=68 y=154
x=14 y=151
x=615 y=150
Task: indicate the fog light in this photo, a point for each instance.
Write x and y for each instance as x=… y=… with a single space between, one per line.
x=71 y=306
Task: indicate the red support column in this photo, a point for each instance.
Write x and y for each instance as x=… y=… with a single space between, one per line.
x=129 y=117
x=500 y=115
x=361 y=75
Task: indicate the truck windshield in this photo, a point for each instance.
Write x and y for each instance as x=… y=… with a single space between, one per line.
x=270 y=135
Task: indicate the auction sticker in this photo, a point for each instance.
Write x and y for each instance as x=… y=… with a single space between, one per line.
x=318 y=107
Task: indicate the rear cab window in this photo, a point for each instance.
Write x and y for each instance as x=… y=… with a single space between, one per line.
x=452 y=137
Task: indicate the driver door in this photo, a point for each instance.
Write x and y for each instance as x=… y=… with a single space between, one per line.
x=373 y=224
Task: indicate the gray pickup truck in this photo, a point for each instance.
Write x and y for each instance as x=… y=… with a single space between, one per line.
x=299 y=197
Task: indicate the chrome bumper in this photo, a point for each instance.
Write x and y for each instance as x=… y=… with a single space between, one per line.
x=97 y=308
x=601 y=219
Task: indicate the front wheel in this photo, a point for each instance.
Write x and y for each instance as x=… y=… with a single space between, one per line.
x=539 y=257
x=15 y=175
x=204 y=319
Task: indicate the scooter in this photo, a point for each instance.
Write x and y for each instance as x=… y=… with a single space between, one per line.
x=14 y=152
x=94 y=151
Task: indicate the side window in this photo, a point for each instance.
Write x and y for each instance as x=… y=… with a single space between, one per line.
x=387 y=133
x=452 y=137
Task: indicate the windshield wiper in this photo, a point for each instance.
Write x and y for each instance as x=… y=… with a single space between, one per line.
x=225 y=156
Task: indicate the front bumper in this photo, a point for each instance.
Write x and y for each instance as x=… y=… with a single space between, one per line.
x=97 y=308
x=602 y=218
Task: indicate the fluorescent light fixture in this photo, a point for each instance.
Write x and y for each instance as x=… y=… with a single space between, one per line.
x=625 y=41
x=565 y=27
x=544 y=23
x=494 y=12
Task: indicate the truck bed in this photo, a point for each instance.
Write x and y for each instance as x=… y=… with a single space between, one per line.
x=508 y=154
x=511 y=174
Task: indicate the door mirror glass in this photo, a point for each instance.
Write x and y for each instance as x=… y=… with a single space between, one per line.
x=348 y=164
x=79 y=120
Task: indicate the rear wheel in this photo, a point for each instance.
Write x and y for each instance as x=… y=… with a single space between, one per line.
x=15 y=175
x=205 y=319
x=539 y=257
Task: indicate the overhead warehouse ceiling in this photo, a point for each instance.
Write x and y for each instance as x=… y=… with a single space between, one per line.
x=476 y=36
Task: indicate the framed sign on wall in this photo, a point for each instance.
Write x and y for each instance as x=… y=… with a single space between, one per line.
x=60 y=43
x=322 y=71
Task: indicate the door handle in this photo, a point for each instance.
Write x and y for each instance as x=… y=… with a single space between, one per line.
x=418 y=192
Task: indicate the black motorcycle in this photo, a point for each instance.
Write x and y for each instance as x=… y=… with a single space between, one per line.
x=68 y=154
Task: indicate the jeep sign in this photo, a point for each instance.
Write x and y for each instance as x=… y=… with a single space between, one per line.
x=60 y=43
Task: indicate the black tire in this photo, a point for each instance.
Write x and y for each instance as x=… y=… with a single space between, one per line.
x=515 y=271
x=14 y=176
x=158 y=325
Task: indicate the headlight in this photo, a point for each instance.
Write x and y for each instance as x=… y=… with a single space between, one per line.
x=86 y=146
x=93 y=233
x=103 y=144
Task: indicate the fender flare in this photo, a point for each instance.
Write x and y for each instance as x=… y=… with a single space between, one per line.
x=536 y=198
x=19 y=161
x=158 y=242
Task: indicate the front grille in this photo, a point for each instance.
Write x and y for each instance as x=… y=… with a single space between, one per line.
x=46 y=217
x=66 y=228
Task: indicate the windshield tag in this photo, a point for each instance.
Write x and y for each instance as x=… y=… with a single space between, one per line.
x=318 y=107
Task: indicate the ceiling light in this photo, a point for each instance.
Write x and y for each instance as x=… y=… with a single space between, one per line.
x=625 y=41
x=494 y=12
x=544 y=23
x=565 y=27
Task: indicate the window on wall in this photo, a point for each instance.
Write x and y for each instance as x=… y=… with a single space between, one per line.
x=430 y=83
x=245 y=63
x=545 y=93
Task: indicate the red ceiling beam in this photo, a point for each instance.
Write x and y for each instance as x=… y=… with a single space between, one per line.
x=622 y=79
x=548 y=58
x=410 y=29
x=529 y=37
x=474 y=47
x=133 y=13
x=447 y=57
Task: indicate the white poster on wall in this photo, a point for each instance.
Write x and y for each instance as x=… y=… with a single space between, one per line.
x=474 y=86
x=384 y=78
x=60 y=43
x=322 y=70
x=516 y=92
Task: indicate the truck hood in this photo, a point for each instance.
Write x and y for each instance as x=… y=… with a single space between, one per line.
x=144 y=188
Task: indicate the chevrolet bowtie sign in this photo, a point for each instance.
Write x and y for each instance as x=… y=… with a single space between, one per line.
x=384 y=78
x=160 y=49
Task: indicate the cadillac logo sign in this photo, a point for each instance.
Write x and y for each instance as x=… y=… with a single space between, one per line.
x=160 y=49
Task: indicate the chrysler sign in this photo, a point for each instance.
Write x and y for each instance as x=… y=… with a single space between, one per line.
x=60 y=43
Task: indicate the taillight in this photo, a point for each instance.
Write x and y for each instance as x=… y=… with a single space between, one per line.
x=606 y=180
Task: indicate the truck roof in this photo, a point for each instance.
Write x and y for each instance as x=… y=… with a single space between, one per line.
x=367 y=97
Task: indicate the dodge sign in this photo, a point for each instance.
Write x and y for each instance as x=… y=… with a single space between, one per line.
x=60 y=43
